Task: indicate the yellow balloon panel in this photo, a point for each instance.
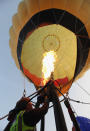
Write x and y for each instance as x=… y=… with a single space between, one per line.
x=44 y=39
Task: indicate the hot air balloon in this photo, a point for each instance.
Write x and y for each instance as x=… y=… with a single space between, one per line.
x=51 y=37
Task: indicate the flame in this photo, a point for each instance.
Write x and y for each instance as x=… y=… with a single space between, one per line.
x=48 y=64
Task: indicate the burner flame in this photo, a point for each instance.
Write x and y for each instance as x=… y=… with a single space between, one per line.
x=48 y=65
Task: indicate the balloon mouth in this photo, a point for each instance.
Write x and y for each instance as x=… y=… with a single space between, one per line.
x=39 y=81
x=51 y=43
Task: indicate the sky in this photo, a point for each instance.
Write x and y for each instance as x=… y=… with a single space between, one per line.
x=12 y=81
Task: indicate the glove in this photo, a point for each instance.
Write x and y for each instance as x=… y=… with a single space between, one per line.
x=40 y=99
x=11 y=115
x=46 y=100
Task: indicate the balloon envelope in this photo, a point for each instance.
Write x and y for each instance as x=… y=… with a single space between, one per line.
x=62 y=26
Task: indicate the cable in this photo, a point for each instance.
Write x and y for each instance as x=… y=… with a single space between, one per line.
x=35 y=93
x=65 y=98
x=72 y=99
x=59 y=90
x=38 y=92
x=83 y=89
x=59 y=101
x=24 y=92
x=4 y=117
x=78 y=101
x=73 y=109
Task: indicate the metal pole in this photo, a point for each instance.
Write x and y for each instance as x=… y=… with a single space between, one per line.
x=59 y=117
x=42 y=120
x=42 y=124
x=72 y=116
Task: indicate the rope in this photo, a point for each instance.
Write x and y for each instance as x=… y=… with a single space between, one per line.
x=59 y=101
x=33 y=103
x=24 y=92
x=35 y=94
x=59 y=90
x=73 y=99
x=83 y=89
x=39 y=91
x=78 y=101
x=4 y=117
x=60 y=93
x=73 y=109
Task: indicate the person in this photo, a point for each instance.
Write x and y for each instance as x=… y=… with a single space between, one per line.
x=24 y=117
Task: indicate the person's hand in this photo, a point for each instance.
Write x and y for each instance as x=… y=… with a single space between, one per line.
x=40 y=99
x=46 y=99
x=11 y=115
